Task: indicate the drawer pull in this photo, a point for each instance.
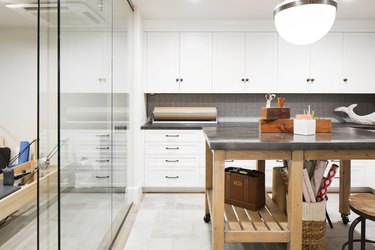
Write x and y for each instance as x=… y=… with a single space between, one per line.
x=172 y=135
x=102 y=160
x=279 y=161
x=172 y=177
x=102 y=177
x=172 y=148
x=102 y=135
x=102 y=148
x=229 y=160
x=171 y=161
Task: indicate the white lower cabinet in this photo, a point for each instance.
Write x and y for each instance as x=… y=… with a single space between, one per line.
x=174 y=158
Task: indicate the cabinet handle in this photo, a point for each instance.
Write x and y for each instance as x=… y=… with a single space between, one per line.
x=172 y=135
x=181 y=79
x=177 y=79
x=308 y=79
x=102 y=148
x=312 y=80
x=102 y=177
x=345 y=80
x=247 y=79
x=171 y=161
x=229 y=160
x=172 y=177
x=243 y=80
x=172 y=148
x=102 y=160
x=102 y=135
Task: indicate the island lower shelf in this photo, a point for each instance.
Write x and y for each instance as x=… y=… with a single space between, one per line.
x=268 y=224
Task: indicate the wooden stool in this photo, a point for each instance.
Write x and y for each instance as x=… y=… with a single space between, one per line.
x=364 y=206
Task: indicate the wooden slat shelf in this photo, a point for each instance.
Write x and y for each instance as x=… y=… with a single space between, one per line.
x=265 y=225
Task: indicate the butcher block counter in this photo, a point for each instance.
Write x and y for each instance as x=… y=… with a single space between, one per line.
x=246 y=143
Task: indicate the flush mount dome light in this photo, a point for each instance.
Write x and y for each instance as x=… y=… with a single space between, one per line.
x=304 y=22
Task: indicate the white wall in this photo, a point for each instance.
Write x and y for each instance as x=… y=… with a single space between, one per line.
x=139 y=111
x=18 y=90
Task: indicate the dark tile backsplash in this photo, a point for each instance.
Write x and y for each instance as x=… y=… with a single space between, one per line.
x=235 y=107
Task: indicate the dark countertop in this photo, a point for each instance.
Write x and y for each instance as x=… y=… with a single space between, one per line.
x=247 y=137
x=193 y=126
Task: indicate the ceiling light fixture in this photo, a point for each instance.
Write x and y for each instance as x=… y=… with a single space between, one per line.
x=304 y=22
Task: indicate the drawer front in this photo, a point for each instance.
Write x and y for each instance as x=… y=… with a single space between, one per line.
x=167 y=162
x=174 y=148
x=174 y=136
x=92 y=179
x=172 y=178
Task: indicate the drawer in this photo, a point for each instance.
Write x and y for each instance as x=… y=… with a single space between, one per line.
x=92 y=179
x=174 y=148
x=172 y=178
x=174 y=136
x=165 y=162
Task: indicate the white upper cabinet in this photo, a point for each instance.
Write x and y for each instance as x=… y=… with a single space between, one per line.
x=244 y=62
x=326 y=64
x=359 y=63
x=179 y=62
x=162 y=62
x=121 y=62
x=312 y=68
x=195 y=62
x=83 y=64
x=261 y=63
x=293 y=68
x=229 y=62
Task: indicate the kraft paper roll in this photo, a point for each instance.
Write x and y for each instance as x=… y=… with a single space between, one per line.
x=185 y=113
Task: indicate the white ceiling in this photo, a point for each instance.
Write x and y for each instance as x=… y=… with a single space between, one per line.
x=204 y=9
x=240 y=9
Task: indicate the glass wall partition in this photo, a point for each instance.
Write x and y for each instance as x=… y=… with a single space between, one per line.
x=91 y=123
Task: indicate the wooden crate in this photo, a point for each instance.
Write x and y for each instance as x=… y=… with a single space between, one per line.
x=275 y=113
x=286 y=126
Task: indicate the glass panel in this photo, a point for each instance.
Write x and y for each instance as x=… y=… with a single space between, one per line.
x=47 y=130
x=122 y=75
x=86 y=123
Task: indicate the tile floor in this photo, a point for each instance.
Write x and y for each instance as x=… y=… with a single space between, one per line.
x=174 y=222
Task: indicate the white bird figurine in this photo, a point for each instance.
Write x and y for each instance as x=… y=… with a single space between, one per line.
x=360 y=119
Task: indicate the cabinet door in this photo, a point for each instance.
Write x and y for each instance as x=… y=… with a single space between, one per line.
x=196 y=62
x=121 y=66
x=162 y=62
x=261 y=62
x=326 y=64
x=359 y=62
x=293 y=68
x=82 y=63
x=228 y=62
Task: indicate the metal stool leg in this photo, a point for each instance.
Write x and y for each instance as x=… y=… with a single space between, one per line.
x=363 y=234
x=351 y=231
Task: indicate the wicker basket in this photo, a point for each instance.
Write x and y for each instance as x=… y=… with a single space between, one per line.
x=314 y=225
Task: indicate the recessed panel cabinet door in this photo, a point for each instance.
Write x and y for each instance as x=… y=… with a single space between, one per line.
x=326 y=64
x=261 y=62
x=195 y=62
x=359 y=63
x=228 y=62
x=162 y=52
x=293 y=68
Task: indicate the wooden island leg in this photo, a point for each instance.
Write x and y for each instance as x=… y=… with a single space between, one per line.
x=208 y=185
x=261 y=165
x=295 y=200
x=218 y=201
x=344 y=189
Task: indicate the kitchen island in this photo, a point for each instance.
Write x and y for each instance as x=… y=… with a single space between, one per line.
x=246 y=143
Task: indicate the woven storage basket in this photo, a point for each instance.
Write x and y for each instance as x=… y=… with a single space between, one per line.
x=314 y=225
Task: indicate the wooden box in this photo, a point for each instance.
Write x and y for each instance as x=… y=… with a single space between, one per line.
x=275 y=113
x=286 y=126
x=246 y=191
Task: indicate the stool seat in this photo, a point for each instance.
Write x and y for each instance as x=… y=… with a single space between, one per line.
x=363 y=203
